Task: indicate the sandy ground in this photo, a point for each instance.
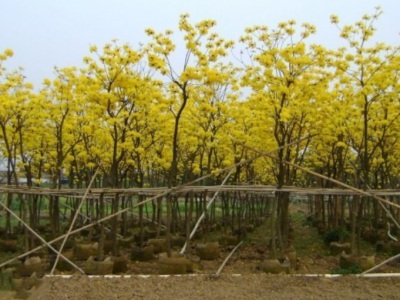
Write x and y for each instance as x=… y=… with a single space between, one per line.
x=248 y=286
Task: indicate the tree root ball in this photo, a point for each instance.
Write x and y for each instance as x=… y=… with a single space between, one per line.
x=95 y=267
x=62 y=264
x=31 y=265
x=229 y=240
x=9 y=245
x=83 y=251
x=142 y=254
x=364 y=262
x=208 y=251
x=120 y=264
x=177 y=241
x=274 y=266
x=109 y=246
x=176 y=264
x=337 y=248
x=160 y=245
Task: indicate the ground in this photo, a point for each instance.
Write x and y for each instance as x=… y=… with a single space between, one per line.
x=248 y=286
x=240 y=278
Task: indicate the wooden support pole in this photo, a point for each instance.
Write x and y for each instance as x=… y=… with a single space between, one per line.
x=73 y=222
x=39 y=237
x=226 y=259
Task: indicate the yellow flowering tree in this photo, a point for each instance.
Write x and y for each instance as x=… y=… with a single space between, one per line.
x=10 y=85
x=15 y=117
x=359 y=116
x=61 y=103
x=123 y=99
x=287 y=80
x=205 y=147
x=203 y=51
x=370 y=73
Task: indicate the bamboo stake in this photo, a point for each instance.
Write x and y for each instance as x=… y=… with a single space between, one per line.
x=381 y=264
x=204 y=213
x=39 y=237
x=226 y=259
x=73 y=222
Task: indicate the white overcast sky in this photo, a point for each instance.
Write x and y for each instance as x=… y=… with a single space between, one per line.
x=48 y=33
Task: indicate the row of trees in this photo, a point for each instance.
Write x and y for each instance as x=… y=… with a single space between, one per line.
x=142 y=121
x=137 y=117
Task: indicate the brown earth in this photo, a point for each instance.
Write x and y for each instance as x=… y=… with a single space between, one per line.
x=249 y=286
x=240 y=279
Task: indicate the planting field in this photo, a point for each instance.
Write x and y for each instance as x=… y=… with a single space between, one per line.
x=241 y=278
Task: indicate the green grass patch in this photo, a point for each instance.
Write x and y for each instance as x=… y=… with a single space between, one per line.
x=355 y=269
x=307 y=241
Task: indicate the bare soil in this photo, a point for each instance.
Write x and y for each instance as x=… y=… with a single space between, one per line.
x=248 y=286
x=240 y=279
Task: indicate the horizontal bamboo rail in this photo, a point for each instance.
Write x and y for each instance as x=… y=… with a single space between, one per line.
x=264 y=189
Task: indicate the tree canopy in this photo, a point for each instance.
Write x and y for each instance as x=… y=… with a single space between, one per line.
x=144 y=120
